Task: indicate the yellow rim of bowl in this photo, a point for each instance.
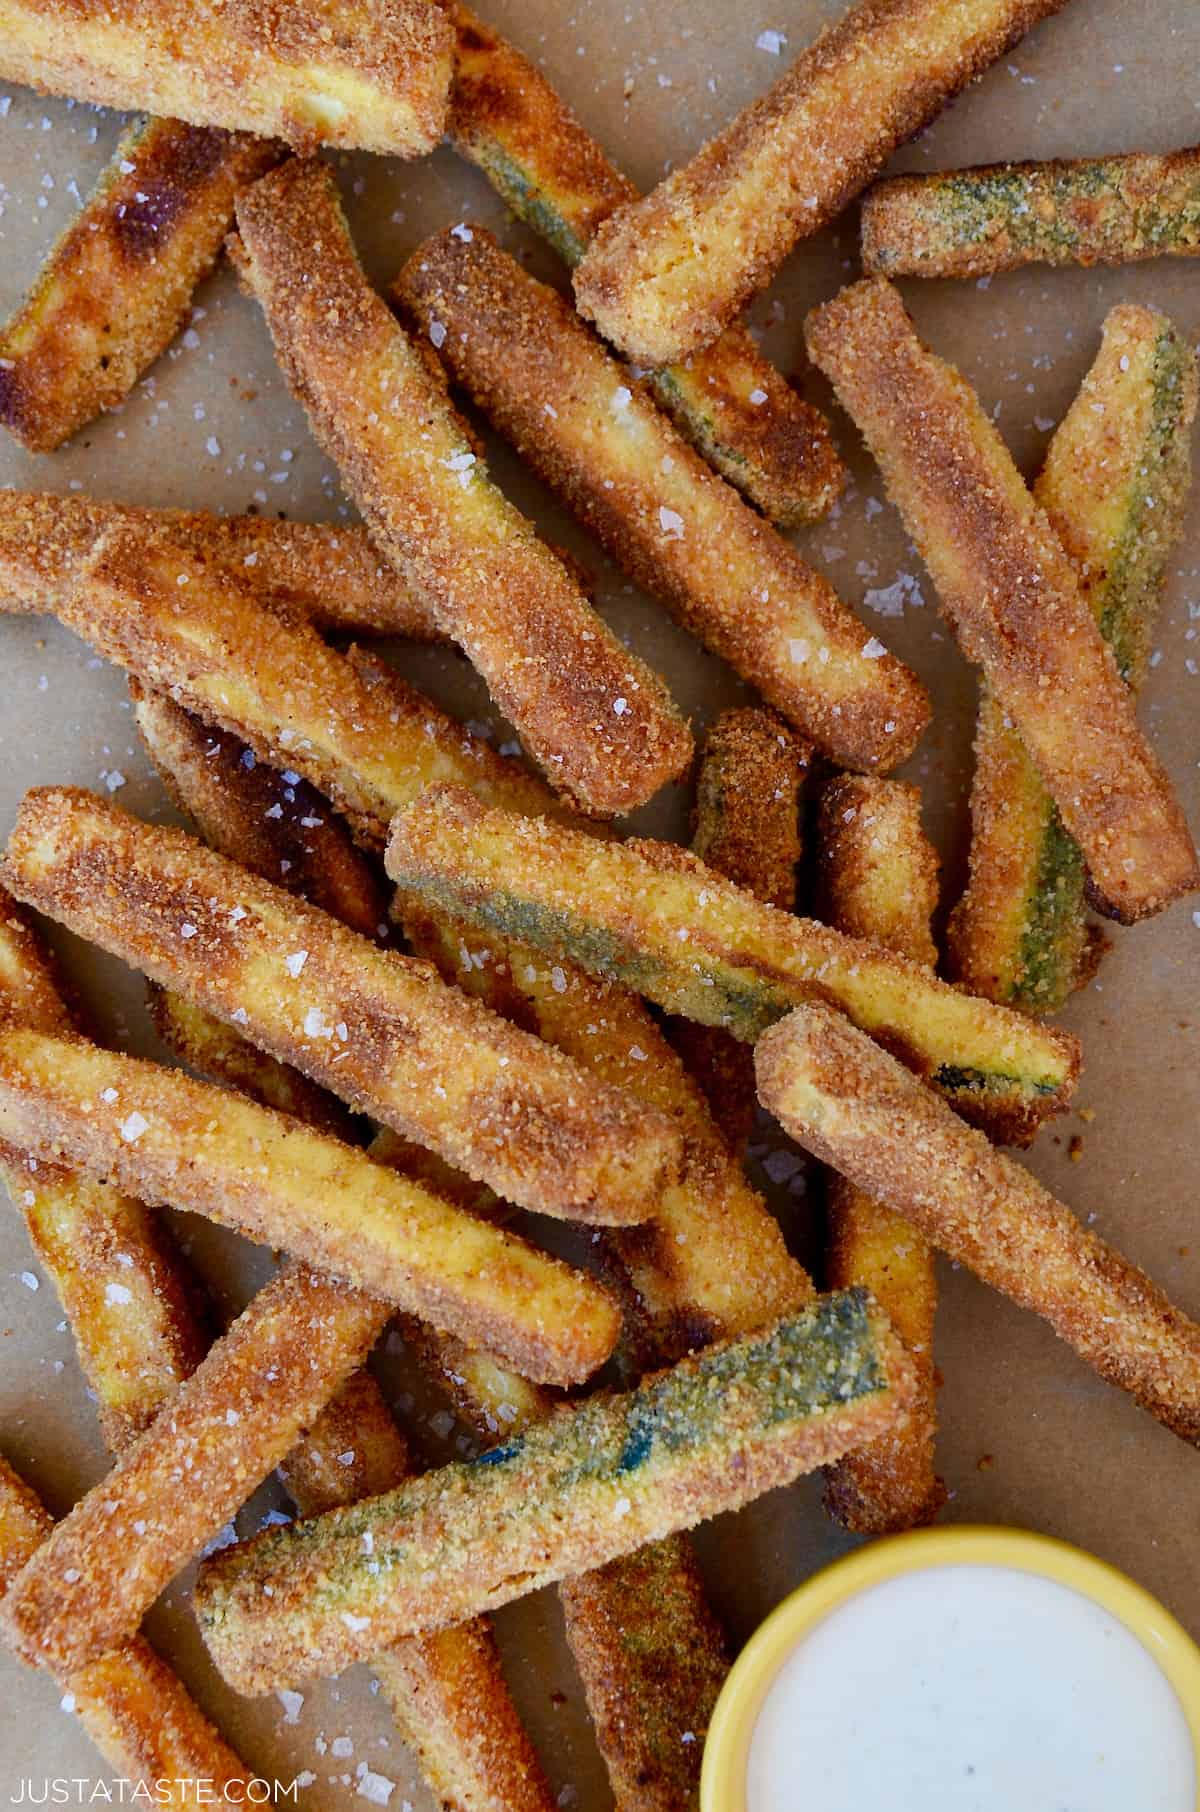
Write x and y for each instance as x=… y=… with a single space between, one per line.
x=727 y=1750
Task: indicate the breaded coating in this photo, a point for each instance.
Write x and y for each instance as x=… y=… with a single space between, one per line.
x=121 y=1283
x=747 y=826
x=997 y=217
x=283 y=1184
x=652 y=1659
x=1114 y=487
x=857 y=1109
x=879 y=878
x=1012 y=596
x=598 y=1480
x=183 y=626
x=368 y=73
x=271 y=822
x=594 y=435
x=89 y=1584
x=712 y=1260
x=213 y=1049
x=737 y=410
x=116 y=286
x=665 y=275
x=594 y=716
x=330 y=574
x=136 y=1711
x=377 y=1028
x=656 y=918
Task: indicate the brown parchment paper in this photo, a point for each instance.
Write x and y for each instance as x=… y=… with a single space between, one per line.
x=1028 y=1435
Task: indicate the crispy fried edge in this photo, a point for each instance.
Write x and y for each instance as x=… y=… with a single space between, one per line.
x=997 y=217
x=515 y=1113
x=177 y=624
x=329 y=573
x=595 y=437
x=552 y=665
x=878 y=876
x=1009 y=591
x=480 y=1534
x=666 y=274
x=305 y=75
x=618 y=910
x=89 y=1584
x=857 y=1109
x=1121 y=459
x=115 y=287
x=507 y=120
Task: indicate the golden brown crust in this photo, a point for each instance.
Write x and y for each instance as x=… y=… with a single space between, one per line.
x=506 y=118
x=370 y=73
x=271 y=822
x=181 y=625
x=600 y=443
x=652 y=1660
x=122 y=1285
x=860 y=1111
x=116 y=286
x=664 y=275
x=595 y=1482
x=25 y=1523
x=284 y=1185
x=330 y=574
x=997 y=217
x=878 y=878
x=416 y=1054
x=596 y=719
x=101 y=1568
x=655 y=917
x=1011 y=595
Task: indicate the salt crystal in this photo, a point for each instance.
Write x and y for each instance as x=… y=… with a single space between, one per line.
x=670 y=521
x=770 y=41
x=437 y=333
x=133 y=1127
x=294 y=963
x=355 y=1623
x=29 y=1280
x=118 y=1294
x=376 y=1788
x=873 y=649
x=293 y=1704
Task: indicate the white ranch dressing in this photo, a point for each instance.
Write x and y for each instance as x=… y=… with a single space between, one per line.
x=970 y=1689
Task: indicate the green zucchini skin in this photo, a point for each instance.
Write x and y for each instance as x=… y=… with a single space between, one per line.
x=1115 y=486
x=594 y=1482
x=998 y=217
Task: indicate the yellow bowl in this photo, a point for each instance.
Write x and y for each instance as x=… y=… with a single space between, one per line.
x=727 y=1751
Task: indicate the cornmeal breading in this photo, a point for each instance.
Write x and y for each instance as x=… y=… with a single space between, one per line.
x=655 y=918
x=665 y=275
x=116 y=287
x=1012 y=596
x=596 y=1481
x=369 y=73
x=596 y=719
x=593 y=434
x=860 y=1111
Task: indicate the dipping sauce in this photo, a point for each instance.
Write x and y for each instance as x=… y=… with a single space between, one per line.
x=970 y=1689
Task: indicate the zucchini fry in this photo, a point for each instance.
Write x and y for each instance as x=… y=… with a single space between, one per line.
x=879 y=878
x=115 y=288
x=747 y=827
x=598 y=721
x=90 y=1582
x=1011 y=594
x=282 y=1184
x=507 y=120
x=655 y=918
x=857 y=1109
x=195 y=631
x=332 y=575
x=368 y=73
x=596 y=1481
x=414 y=1054
x=136 y=1711
x=1114 y=487
x=997 y=217
x=121 y=1284
x=600 y=443
x=665 y=275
